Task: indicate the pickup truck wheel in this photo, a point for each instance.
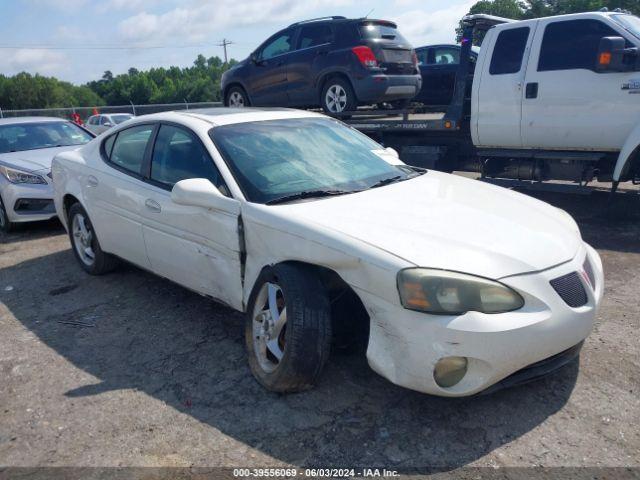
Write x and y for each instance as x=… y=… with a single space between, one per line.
x=236 y=97
x=288 y=329
x=5 y=224
x=337 y=96
x=85 y=244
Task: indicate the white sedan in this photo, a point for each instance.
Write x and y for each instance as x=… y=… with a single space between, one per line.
x=313 y=229
x=27 y=147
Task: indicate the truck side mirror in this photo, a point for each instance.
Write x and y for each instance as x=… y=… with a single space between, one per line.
x=611 y=54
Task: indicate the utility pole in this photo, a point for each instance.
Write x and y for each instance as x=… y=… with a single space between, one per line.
x=224 y=44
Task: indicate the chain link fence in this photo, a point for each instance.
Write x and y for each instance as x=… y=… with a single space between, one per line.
x=86 y=112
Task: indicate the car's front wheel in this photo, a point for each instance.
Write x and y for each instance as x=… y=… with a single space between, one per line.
x=288 y=328
x=6 y=225
x=337 y=96
x=236 y=97
x=85 y=244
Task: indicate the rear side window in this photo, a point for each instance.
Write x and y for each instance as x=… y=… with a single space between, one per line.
x=313 y=35
x=572 y=45
x=179 y=155
x=129 y=148
x=509 y=51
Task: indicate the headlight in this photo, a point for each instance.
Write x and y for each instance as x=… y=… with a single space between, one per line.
x=451 y=293
x=19 y=176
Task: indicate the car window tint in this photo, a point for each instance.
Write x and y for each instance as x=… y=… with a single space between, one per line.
x=446 y=56
x=509 y=51
x=108 y=145
x=313 y=35
x=572 y=44
x=179 y=155
x=129 y=147
x=423 y=58
x=279 y=45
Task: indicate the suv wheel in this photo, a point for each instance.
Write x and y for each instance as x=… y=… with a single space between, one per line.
x=288 y=328
x=86 y=247
x=236 y=98
x=338 y=96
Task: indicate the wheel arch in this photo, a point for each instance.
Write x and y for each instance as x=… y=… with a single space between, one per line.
x=629 y=160
x=234 y=83
x=325 y=77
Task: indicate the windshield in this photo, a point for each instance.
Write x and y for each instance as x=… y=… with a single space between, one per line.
x=374 y=31
x=32 y=136
x=629 y=22
x=121 y=118
x=277 y=158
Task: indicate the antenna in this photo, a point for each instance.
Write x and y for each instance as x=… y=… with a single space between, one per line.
x=370 y=12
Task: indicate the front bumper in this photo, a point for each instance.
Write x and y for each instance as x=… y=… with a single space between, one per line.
x=404 y=346
x=385 y=88
x=26 y=202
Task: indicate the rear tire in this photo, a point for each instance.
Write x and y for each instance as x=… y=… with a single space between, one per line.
x=337 y=96
x=6 y=225
x=236 y=97
x=85 y=244
x=288 y=328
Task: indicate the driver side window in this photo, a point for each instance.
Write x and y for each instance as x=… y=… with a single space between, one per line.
x=278 y=45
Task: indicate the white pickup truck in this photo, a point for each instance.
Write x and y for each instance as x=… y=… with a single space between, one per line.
x=554 y=98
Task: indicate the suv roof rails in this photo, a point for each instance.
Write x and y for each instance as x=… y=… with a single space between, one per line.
x=334 y=17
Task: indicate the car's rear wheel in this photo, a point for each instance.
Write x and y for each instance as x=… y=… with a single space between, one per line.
x=236 y=98
x=6 y=225
x=337 y=96
x=85 y=244
x=288 y=328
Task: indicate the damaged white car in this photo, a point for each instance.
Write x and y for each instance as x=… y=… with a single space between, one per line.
x=315 y=231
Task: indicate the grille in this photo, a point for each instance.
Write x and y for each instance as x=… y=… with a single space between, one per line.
x=589 y=271
x=570 y=289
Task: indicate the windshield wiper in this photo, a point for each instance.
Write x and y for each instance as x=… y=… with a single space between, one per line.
x=307 y=194
x=386 y=181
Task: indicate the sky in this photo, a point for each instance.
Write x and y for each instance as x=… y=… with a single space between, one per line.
x=78 y=40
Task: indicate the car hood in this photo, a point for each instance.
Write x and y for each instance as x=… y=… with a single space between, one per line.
x=444 y=221
x=33 y=160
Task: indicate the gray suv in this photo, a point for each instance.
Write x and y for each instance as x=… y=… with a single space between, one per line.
x=334 y=63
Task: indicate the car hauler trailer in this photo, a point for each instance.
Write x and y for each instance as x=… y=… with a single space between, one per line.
x=556 y=98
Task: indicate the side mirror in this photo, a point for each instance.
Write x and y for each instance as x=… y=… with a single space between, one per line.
x=107 y=124
x=200 y=192
x=611 y=54
x=254 y=58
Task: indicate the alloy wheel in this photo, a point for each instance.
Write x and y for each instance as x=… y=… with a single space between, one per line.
x=236 y=100
x=269 y=326
x=83 y=239
x=336 y=98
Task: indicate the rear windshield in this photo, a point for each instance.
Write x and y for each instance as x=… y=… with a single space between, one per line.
x=33 y=136
x=376 y=31
x=120 y=118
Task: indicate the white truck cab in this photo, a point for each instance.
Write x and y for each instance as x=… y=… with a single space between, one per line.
x=568 y=83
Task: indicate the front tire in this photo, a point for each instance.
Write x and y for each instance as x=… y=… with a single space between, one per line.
x=337 y=96
x=6 y=225
x=288 y=328
x=236 y=97
x=85 y=244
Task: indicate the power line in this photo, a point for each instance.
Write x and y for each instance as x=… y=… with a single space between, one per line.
x=104 y=47
x=224 y=44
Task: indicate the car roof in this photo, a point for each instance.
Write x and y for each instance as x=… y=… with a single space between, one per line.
x=225 y=115
x=19 y=120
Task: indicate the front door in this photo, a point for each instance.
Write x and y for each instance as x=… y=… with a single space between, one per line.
x=193 y=246
x=438 y=67
x=500 y=92
x=268 y=73
x=568 y=104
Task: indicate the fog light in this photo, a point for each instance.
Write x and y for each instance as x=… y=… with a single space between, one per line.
x=449 y=371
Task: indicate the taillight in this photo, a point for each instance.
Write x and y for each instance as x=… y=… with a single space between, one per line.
x=366 y=56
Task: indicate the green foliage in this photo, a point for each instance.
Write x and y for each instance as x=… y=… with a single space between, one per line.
x=198 y=83
x=520 y=9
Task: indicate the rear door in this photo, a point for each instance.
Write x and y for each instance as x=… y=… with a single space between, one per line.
x=311 y=56
x=268 y=75
x=569 y=105
x=500 y=89
x=193 y=246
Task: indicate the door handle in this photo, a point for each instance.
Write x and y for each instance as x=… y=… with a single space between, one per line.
x=92 y=181
x=532 y=90
x=153 y=206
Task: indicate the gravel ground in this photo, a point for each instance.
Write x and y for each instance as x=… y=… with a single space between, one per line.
x=132 y=370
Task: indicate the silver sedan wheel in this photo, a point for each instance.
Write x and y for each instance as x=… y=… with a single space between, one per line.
x=83 y=239
x=269 y=326
x=336 y=99
x=236 y=100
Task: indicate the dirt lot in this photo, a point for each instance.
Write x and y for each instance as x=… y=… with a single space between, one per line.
x=132 y=370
